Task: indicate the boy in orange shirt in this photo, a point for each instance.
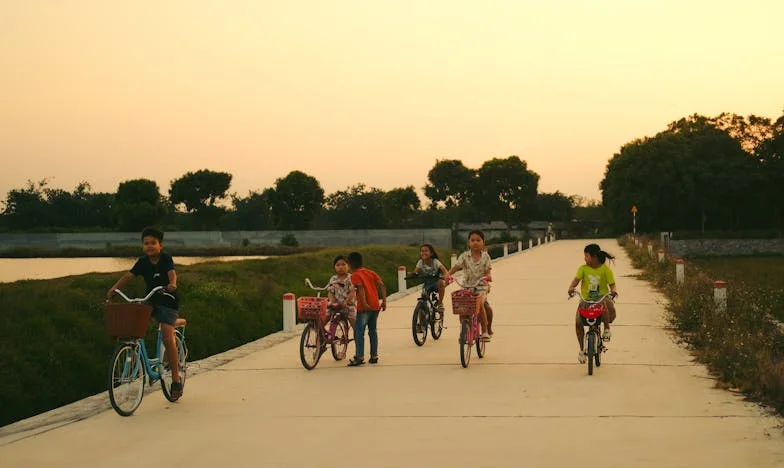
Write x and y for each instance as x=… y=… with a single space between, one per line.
x=368 y=283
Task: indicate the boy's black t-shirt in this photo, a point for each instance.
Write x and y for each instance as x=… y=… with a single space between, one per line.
x=157 y=275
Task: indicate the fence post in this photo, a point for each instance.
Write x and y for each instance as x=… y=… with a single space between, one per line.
x=519 y=246
x=401 y=278
x=661 y=255
x=650 y=249
x=679 y=266
x=506 y=249
x=538 y=241
x=453 y=259
x=530 y=243
x=289 y=312
x=720 y=295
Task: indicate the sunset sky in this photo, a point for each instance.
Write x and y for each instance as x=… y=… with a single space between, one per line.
x=369 y=91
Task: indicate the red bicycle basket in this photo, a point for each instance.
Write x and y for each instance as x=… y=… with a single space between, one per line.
x=465 y=302
x=127 y=320
x=591 y=311
x=312 y=308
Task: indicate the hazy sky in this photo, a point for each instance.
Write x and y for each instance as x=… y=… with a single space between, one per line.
x=365 y=91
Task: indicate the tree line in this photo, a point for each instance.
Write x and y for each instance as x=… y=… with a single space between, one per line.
x=721 y=173
x=502 y=189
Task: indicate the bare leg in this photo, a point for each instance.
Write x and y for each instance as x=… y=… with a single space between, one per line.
x=580 y=330
x=489 y=311
x=171 y=350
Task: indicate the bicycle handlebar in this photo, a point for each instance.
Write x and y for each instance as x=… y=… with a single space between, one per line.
x=139 y=299
x=481 y=280
x=577 y=293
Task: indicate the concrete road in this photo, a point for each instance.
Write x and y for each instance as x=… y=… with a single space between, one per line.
x=528 y=403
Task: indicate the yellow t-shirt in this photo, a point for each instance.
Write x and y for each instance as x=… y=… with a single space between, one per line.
x=595 y=281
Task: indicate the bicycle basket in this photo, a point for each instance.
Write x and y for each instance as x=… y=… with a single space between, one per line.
x=312 y=308
x=465 y=302
x=127 y=320
x=591 y=311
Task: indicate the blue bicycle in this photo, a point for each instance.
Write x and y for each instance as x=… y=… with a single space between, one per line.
x=130 y=362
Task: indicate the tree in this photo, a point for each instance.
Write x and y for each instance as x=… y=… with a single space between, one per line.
x=251 y=213
x=554 y=207
x=400 y=206
x=296 y=200
x=450 y=183
x=506 y=190
x=138 y=204
x=356 y=207
x=26 y=208
x=199 y=190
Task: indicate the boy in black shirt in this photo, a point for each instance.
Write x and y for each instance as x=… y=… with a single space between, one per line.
x=157 y=268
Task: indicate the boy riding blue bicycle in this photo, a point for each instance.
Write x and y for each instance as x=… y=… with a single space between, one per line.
x=157 y=269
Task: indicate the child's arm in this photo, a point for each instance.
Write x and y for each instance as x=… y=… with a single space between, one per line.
x=380 y=285
x=124 y=279
x=361 y=298
x=573 y=285
x=444 y=271
x=172 y=281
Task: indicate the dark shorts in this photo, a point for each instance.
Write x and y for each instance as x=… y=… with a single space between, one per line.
x=164 y=314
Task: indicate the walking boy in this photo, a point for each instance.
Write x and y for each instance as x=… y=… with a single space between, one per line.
x=368 y=283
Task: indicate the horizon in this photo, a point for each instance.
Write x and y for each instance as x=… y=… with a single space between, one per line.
x=354 y=92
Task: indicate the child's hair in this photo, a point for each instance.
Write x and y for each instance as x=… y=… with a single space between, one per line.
x=339 y=258
x=152 y=232
x=355 y=259
x=595 y=251
x=432 y=249
x=478 y=233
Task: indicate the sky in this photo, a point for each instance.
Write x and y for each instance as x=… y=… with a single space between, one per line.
x=365 y=91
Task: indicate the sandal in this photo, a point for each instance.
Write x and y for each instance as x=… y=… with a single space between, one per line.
x=373 y=360
x=355 y=362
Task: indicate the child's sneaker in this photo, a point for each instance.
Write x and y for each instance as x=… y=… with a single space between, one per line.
x=485 y=337
x=176 y=390
x=581 y=357
x=607 y=335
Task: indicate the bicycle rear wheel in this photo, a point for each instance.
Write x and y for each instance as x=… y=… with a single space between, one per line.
x=165 y=369
x=340 y=342
x=126 y=379
x=419 y=324
x=465 y=344
x=591 y=351
x=310 y=346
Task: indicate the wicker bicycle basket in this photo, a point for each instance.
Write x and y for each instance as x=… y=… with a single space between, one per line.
x=127 y=320
x=465 y=302
x=312 y=308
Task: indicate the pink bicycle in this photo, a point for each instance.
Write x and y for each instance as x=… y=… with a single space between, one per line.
x=319 y=332
x=466 y=304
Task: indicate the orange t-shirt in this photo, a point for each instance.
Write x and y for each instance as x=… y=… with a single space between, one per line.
x=368 y=280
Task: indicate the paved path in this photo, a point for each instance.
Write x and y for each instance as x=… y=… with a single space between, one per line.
x=527 y=404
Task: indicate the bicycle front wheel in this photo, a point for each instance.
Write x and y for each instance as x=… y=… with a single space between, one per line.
x=126 y=379
x=419 y=324
x=340 y=342
x=465 y=344
x=591 y=351
x=165 y=369
x=310 y=346
x=437 y=324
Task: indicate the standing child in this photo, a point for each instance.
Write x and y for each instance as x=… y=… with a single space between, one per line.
x=476 y=263
x=368 y=283
x=598 y=280
x=341 y=291
x=157 y=269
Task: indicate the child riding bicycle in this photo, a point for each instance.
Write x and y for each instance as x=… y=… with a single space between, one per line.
x=433 y=270
x=342 y=294
x=597 y=281
x=157 y=269
x=475 y=264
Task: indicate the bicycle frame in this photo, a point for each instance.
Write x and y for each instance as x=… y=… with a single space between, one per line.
x=151 y=364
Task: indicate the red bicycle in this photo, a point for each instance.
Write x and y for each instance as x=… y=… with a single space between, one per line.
x=466 y=303
x=591 y=313
x=319 y=332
